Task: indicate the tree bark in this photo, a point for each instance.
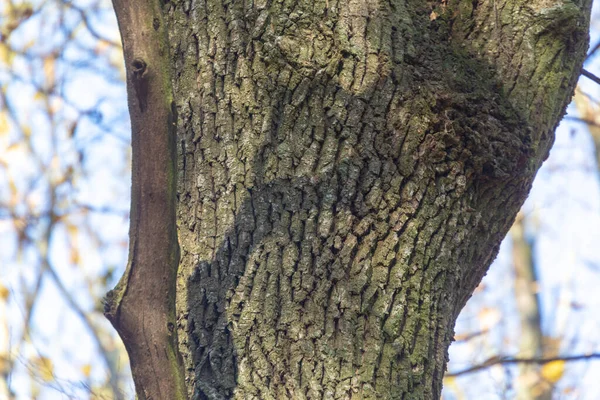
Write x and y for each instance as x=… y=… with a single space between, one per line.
x=346 y=172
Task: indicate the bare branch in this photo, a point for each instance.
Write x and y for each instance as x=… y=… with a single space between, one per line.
x=589 y=75
x=504 y=360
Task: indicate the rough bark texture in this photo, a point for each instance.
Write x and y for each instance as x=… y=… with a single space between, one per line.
x=346 y=172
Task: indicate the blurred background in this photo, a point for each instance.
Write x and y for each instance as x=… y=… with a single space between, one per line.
x=530 y=331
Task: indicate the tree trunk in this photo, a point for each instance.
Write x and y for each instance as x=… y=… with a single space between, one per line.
x=346 y=172
x=529 y=385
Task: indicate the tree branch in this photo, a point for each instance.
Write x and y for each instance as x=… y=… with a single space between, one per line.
x=515 y=360
x=590 y=76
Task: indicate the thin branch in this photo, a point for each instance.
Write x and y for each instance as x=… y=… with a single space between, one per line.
x=84 y=17
x=514 y=360
x=590 y=76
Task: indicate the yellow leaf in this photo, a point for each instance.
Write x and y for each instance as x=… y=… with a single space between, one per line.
x=45 y=368
x=73 y=230
x=6 y=54
x=450 y=383
x=74 y=256
x=14 y=193
x=553 y=371
x=49 y=63
x=86 y=369
x=4 y=126
x=26 y=131
x=4 y=292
